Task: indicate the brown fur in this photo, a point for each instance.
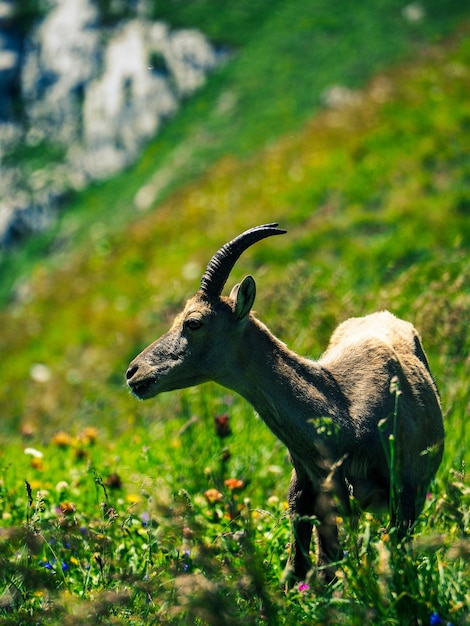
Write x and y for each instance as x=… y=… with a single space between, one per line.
x=334 y=415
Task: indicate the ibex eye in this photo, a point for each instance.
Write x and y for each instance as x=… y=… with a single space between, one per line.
x=193 y=323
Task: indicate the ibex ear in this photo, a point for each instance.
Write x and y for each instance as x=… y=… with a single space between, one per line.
x=244 y=296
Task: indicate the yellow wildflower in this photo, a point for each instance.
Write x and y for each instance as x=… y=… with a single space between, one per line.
x=62 y=439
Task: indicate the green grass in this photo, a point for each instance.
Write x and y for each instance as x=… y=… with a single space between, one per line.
x=130 y=531
x=119 y=525
x=285 y=56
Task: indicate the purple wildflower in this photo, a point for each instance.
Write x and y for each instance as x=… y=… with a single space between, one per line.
x=187 y=560
x=145 y=518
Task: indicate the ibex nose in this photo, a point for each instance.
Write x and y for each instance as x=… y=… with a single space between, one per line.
x=131 y=371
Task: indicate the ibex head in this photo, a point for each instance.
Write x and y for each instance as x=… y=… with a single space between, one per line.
x=196 y=347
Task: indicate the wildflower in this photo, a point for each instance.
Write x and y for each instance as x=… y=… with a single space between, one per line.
x=113 y=481
x=133 y=498
x=213 y=495
x=234 y=483
x=435 y=619
x=413 y=12
x=37 y=454
x=303 y=587
x=40 y=373
x=27 y=430
x=186 y=560
x=37 y=464
x=145 y=518
x=187 y=532
x=62 y=485
x=66 y=508
x=62 y=439
x=64 y=566
x=222 y=427
x=89 y=435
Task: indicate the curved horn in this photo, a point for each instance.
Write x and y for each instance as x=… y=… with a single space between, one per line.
x=222 y=262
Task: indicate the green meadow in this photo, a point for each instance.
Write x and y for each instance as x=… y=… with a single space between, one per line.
x=173 y=511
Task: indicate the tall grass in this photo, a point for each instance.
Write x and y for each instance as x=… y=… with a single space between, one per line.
x=101 y=532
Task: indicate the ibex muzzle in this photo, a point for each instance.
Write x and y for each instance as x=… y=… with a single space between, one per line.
x=335 y=415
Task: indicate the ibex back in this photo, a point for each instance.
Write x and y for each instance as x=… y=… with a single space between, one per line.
x=336 y=416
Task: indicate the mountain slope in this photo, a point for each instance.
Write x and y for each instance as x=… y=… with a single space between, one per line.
x=287 y=57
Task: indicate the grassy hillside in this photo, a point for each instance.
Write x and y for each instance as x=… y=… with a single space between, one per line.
x=285 y=58
x=116 y=522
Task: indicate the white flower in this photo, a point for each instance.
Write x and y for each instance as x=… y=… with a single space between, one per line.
x=40 y=373
x=413 y=12
x=33 y=452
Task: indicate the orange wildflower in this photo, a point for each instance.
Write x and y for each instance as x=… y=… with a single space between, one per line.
x=234 y=483
x=67 y=508
x=213 y=495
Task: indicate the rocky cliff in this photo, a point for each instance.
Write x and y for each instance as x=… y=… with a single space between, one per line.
x=93 y=91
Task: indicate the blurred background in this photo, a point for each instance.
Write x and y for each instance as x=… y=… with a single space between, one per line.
x=137 y=137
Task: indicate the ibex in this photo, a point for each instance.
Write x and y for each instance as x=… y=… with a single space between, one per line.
x=338 y=416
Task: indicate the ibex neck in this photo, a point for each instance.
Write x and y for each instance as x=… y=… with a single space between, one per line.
x=287 y=390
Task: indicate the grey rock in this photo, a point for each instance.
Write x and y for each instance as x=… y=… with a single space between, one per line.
x=99 y=92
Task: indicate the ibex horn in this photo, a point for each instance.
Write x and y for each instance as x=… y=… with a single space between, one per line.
x=221 y=264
